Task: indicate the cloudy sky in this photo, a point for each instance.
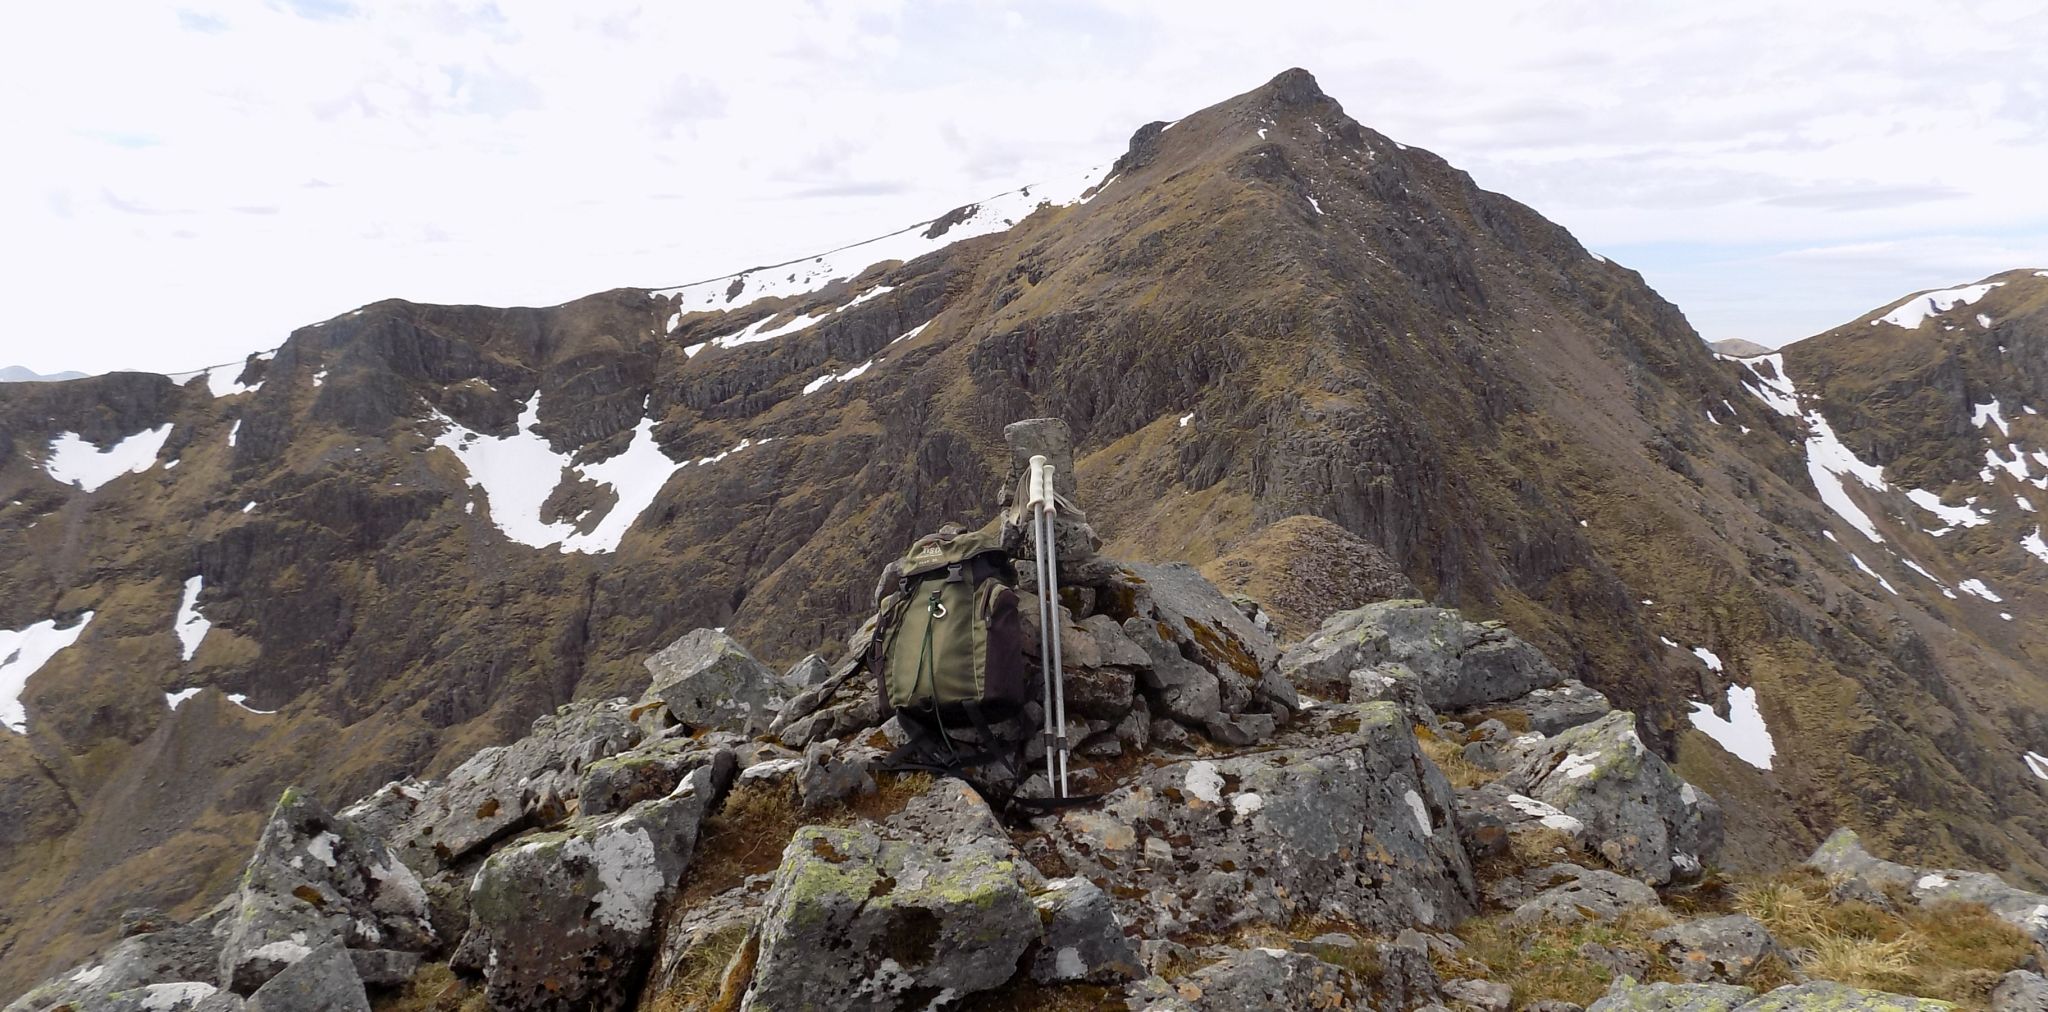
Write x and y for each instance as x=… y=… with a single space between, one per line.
x=185 y=184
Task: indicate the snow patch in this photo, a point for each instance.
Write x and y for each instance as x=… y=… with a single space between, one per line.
x=1976 y=587
x=1708 y=657
x=75 y=461
x=1318 y=208
x=176 y=699
x=759 y=330
x=1983 y=321
x=808 y=274
x=1993 y=413
x=1953 y=516
x=190 y=626
x=1827 y=462
x=518 y=472
x=1743 y=733
x=2034 y=544
x=23 y=652
x=912 y=332
x=1204 y=782
x=823 y=381
x=1185 y=419
x=1911 y=313
x=1872 y=573
x=243 y=701
x=2037 y=763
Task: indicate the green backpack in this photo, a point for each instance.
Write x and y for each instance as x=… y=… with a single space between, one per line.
x=949 y=644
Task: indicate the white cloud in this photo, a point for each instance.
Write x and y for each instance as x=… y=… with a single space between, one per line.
x=526 y=152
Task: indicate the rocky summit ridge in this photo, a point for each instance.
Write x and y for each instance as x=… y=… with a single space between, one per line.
x=1321 y=367
x=668 y=853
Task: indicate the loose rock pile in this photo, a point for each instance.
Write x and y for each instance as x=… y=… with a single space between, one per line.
x=553 y=870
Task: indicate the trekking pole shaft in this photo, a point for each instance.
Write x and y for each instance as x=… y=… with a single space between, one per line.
x=1047 y=619
x=1059 y=687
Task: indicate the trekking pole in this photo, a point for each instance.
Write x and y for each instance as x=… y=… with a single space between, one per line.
x=1046 y=617
x=1059 y=675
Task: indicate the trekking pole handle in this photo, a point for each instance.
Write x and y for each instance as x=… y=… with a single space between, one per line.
x=1052 y=496
x=1039 y=482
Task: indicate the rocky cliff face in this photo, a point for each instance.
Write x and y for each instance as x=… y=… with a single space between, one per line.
x=1276 y=335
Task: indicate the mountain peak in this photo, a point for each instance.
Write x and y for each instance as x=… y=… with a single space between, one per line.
x=1294 y=86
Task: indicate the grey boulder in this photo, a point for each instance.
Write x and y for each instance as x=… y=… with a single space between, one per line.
x=176 y=958
x=1249 y=979
x=315 y=879
x=563 y=920
x=1626 y=995
x=1458 y=664
x=1833 y=997
x=808 y=673
x=499 y=790
x=1719 y=949
x=1559 y=708
x=1570 y=894
x=883 y=917
x=706 y=679
x=2020 y=991
x=1084 y=940
x=324 y=981
x=1353 y=826
x=1632 y=809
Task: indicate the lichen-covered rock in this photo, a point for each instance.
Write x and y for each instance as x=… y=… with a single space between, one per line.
x=1084 y=940
x=1718 y=949
x=1555 y=709
x=616 y=783
x=1407 y=977
x=1483 y=995
x=808 y=673
x=563 y=920
x=2020 y=991
x=1180 y=688
x=827 y=776
x=324 y=981
x=1831 y=997
x=1250 y=979
x=1570 y=894
x=170 y=957
x=708 y=680
x=316 y=879
x=1632 y=809
x=1354 y=826
x=933 y=904
x=178 y=996
x=1458 y=664
x=499 y=790
x=1626 y=995
x=384 y=967
x=1244 y=657
x=1843 y=856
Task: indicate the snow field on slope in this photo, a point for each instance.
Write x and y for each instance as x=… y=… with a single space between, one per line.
x=797 y=277
x=190 y=626
x=74 y=461
x=23 y=652
x=518 y=473
x=1911 y=313
x=1742 y=732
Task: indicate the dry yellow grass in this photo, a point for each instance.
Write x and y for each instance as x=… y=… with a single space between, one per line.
x=1952 y=951
x=1449 y=756
x=1546 y=960
x=435 y=988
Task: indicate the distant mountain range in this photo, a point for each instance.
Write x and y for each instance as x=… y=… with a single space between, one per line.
x=23 y=374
